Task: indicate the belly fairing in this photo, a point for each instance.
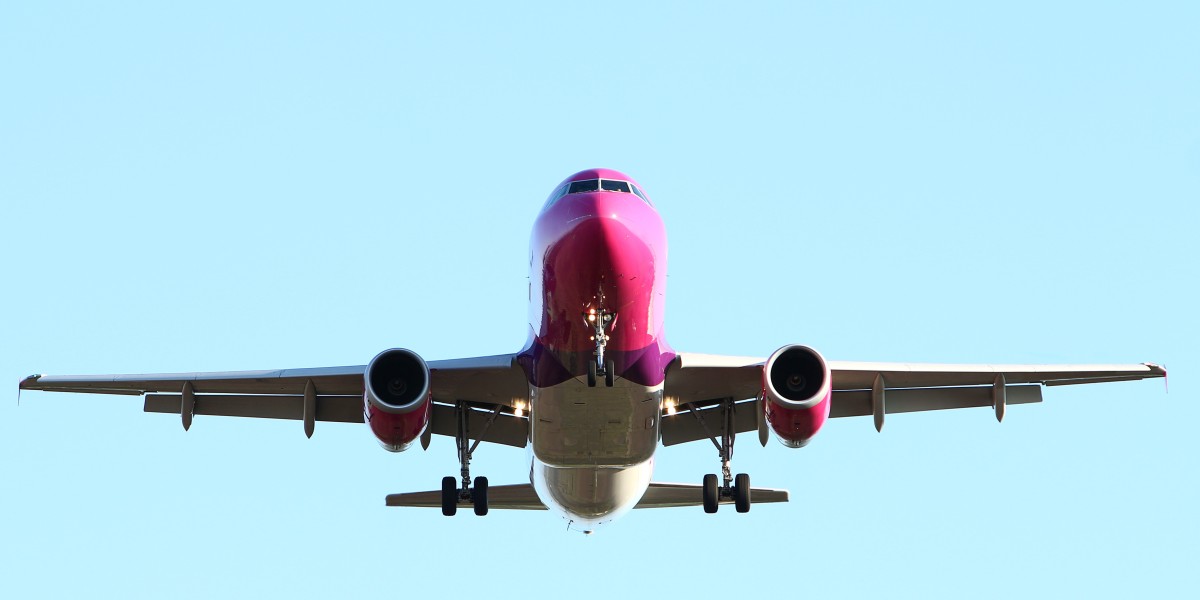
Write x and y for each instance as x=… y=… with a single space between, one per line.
x=573 y=425
x=587 y=496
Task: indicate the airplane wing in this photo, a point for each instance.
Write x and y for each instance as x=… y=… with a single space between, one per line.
x=699 y=382
x=483 y=382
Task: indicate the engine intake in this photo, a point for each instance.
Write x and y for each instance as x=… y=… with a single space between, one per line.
x=797 y=377
x=397 y=381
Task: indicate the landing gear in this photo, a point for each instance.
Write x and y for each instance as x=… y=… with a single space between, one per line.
x=735 y=488
x=600 y=321
x=475 y=495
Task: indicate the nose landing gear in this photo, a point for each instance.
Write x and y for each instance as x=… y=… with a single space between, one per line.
x=599 y=321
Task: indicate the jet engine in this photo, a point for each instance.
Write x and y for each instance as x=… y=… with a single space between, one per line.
x=798 y=386
x=397 y=403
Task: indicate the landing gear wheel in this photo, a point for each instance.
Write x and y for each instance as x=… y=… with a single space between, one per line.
x=449 y=496
x=479 y=495
x=591 y=373
x=741 y=492
x=710 y=493
x=609 y=371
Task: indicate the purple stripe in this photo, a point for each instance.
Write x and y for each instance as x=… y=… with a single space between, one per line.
x=545 y=368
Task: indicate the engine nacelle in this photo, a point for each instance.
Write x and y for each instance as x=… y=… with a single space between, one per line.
x=798 y=387
x=397 y=403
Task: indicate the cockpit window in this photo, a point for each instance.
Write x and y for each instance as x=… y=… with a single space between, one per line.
x=640 y=194
x=587 y=185
x=595 y=185
x=609 y=185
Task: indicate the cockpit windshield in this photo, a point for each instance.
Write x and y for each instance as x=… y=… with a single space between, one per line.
x=595 y=185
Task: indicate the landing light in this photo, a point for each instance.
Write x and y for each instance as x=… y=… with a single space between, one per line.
x=519 y=408
x=670 y=406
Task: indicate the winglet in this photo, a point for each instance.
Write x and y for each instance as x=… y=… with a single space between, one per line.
x=26 y=384
x=1160 y=371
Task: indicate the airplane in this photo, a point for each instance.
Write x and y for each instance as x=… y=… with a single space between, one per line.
x=596 y=389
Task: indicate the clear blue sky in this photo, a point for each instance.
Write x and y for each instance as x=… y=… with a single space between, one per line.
x=221 y=186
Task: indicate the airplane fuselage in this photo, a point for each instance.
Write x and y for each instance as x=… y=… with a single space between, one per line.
x=595 y=256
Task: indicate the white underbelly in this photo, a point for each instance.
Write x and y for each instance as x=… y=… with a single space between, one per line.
x=593 y=447
x=591 y=496
x=573 y=425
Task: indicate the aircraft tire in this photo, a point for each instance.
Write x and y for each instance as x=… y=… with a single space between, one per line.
x=479 y=496
x=710 y=493
x=591 y=373
x=741 y=492
x=449 y=496
x=609 y=373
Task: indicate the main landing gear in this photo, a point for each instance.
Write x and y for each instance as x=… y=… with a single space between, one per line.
x=600 y=321
x=735 y=488
x=475 y=495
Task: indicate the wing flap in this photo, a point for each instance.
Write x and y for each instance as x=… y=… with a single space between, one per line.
x=858 y=403
x=684 y=426
x=339 y=409
x=506 y=429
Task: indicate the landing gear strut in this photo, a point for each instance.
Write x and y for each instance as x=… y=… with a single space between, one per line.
x=475 y=495
x=600 y=321
x=736 y=488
